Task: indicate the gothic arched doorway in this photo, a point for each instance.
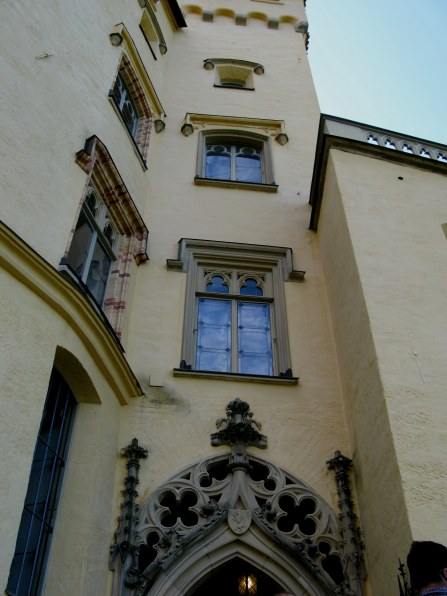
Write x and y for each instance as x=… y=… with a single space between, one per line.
x=233 y=515
x=237 y=578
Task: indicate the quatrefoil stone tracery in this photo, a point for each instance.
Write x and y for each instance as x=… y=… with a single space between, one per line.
x=207 y=493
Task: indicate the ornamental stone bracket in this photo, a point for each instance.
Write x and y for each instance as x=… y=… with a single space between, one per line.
x=242 y=499
x=238 y=430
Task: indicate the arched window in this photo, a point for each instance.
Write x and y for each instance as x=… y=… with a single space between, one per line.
x=42 y=496
x=235 y=320
x=235 y=157
x=109 y=235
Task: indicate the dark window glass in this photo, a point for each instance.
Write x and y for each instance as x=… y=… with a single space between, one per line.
x=41 y=501
x=125 y=105
x=91 y=250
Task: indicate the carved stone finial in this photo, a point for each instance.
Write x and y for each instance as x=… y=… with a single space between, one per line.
x=239 y=427
x=126 y=534
x=352 y=542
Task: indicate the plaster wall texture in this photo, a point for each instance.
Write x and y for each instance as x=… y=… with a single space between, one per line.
x=31 y=333
x=60 y=66
x=383 y=253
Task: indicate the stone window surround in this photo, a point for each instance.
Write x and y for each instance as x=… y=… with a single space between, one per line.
x=142 y=92
x=96 y=162
x=238 y=71
x=277 y=261
x=255 y=131
x=151 y=29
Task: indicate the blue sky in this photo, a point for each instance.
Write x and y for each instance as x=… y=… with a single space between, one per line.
x=382 y=62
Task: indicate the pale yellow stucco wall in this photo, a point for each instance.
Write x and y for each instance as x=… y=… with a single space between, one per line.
x=384 y=258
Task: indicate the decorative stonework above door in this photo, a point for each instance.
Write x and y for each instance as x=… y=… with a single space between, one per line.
x=242 y=502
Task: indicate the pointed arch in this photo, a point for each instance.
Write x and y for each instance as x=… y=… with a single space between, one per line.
x=214 y=511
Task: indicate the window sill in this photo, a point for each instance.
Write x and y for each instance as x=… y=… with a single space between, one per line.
x=234 y=87
x=221 y=376
x=232 y=184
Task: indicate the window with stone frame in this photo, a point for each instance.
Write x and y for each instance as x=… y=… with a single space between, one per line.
x=235 y=152
x=235 y=157
x=133 y=95
x=235 y=318
x=152 y=32
x=109 y=235
x=131 y=104
x=233 y=73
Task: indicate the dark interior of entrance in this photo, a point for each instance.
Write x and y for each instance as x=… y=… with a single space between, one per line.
x=237 y=578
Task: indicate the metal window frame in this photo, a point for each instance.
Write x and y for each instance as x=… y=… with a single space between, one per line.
x=34 y=576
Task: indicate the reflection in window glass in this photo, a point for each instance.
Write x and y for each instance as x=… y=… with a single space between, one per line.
x=251 y=288
x=234 y=335
x=214 y=335
x=254 y=339
x=217 y=285
x=92 y=248
x=233 y=162
x=125 y=105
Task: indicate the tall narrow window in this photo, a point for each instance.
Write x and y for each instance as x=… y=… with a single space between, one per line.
x=107 y=237
x=41 y=501
x=234 y=334
x=125 y=105
x=94 y=245
x=235 y=314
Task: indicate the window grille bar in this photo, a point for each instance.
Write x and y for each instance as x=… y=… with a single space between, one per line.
x=41 y=509
x=36 y=575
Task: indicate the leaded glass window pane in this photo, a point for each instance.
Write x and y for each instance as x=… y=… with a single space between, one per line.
x=250 y=288
x=248 y=164
x=218 y=162
x=254 y=339
x=216 y=284
x=214 y=335
x=98 y=273
x=80 y=245
x=125 y=105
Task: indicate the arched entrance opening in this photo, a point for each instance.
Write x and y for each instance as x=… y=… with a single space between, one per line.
x=237 y=578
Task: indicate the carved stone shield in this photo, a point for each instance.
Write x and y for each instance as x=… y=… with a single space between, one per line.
x=239 y=520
